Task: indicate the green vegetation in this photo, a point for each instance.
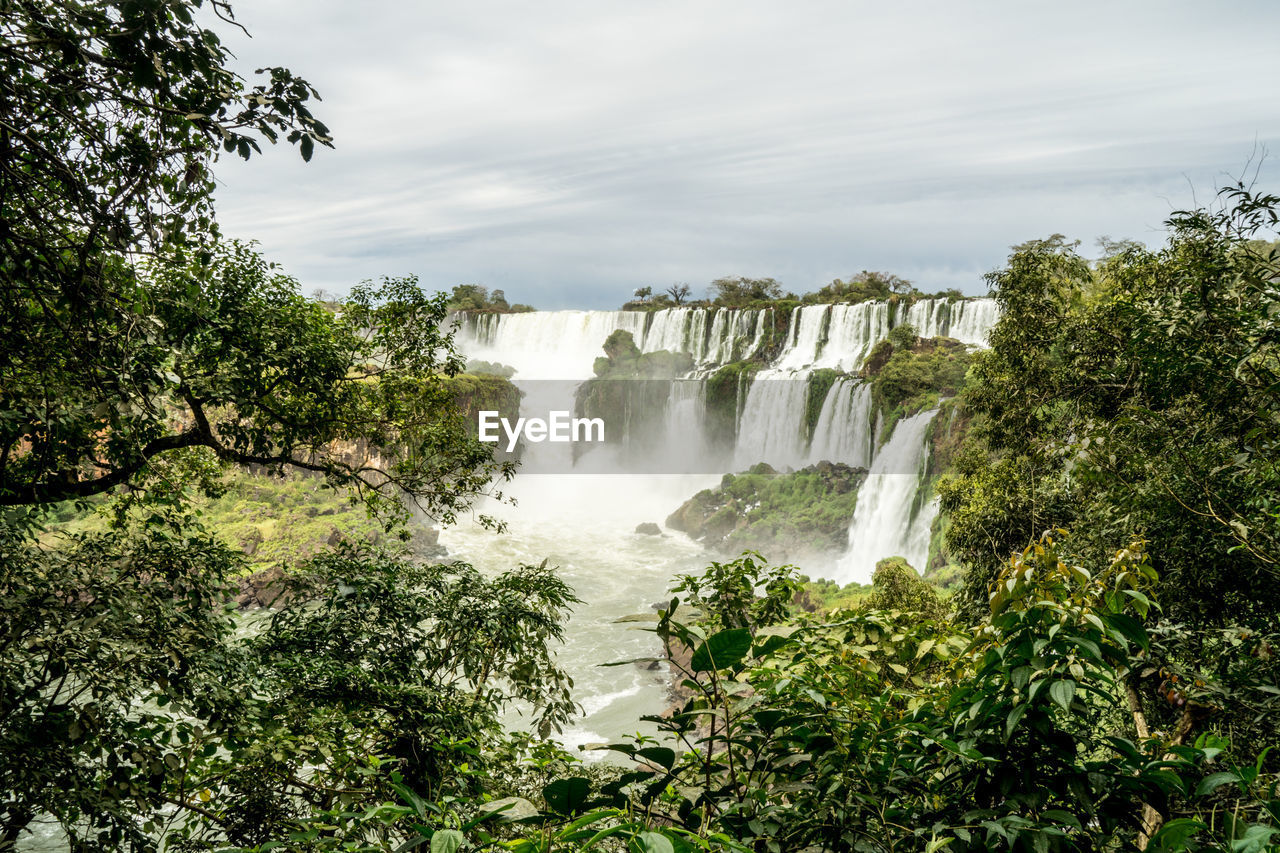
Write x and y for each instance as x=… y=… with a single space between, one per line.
x=473 y=392
x=742 y=292
x=896 y=586
x=473 y=297
x=802 y=514
x=746 y=292
x=1136 y=393
x=862 y=287
x=622 y=359
x=910 y=374
x=630 y=390
x=489 y=368
x=726 y=393
x=820 y=382
x=827 y=596
x=274 y=521
x=1017 y=732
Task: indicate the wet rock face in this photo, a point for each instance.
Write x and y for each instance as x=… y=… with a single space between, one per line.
x=425 y=545
x=262 y=589
x=648 y=528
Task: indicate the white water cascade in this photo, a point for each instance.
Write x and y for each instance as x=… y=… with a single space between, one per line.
x=968 y=321
x=771 y=427
x=581 y=511
x=843 y=431
x=888 y=520
x=564 y=344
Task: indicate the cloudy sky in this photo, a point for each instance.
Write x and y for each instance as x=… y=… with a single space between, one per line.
x=570 y=152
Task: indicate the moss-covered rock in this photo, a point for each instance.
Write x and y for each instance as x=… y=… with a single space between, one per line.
x=913 y=375
x=820 y=382
x=630 y=392
x=726 y=394
x=896 y=586
x=793 y=516
x=475 y=392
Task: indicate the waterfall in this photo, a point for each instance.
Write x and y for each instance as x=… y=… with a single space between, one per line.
x=966 y=320
x=545 y=344
x=888 y=520
x=973 y=320
x=855 y=329
x=565 y=344
x=771 y=427
x=808 y=323
x=843 y=430
x=685 y=424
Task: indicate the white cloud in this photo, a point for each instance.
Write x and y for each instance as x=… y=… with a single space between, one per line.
x=569 y=152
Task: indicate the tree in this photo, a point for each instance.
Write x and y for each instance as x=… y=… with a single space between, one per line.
x=642 y=294
x=736 y=292
x=468 y=297
x=678 y=293
x=139 y=355
x=110 y=118
x=111 y=115
x=864 y=286
x=1138 y=395
x=235 y=360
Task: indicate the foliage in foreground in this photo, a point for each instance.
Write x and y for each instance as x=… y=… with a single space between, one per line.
x=887 y=729
x=137 y=713
x=893 y=728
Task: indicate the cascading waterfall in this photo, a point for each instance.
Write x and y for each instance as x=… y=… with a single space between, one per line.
x=560 y=345
x=843 y=430
x=855 y=329
x=586 y=525
x=808 y=328
x=889 y=520
x=685 y=430
x=966 y=320
x=771 y=427
x=564 y=344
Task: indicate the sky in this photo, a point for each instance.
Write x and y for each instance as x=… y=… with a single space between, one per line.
x=571 y=152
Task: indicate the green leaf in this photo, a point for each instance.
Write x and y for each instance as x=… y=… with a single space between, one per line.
x=1060 y=816
x=651 y=842
x=305 y=146
x=1015 y=716
x=1129 y=628
x=446 y=841
x=770 y=644
x=721 y=650
x=1062 y=692
x=1174 y=834
x=567 y=796
x=659 y=755
x=1214 y=781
